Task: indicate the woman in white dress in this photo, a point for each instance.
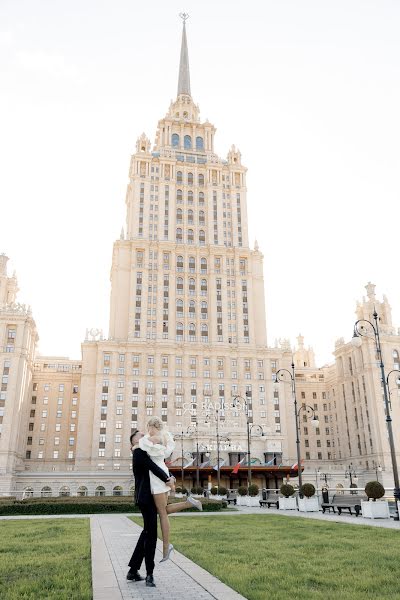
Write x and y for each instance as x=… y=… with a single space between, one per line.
x=159 y=445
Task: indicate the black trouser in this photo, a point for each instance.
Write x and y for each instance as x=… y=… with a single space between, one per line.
x=146 y=544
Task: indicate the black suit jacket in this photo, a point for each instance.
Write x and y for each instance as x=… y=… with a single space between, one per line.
x=141 y=465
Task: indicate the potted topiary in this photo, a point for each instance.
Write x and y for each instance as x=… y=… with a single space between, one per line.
x=252 y=498
x=214 y=490
x=288 y=500
x=372 y=509
x=242 y=491
x=222 y=491
x=178 y=491
x=308 y=501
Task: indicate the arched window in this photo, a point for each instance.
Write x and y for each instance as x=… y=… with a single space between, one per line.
x=179 y=196
x=118 y=491
x=201 y=180
x=179 y=285
x=190 y=179
x=192 y=332
x=202 y=217
x=100 y=491
x=46 y=492
x=203 y=287
x=204 y=310
x=175 y=140
x=192 y=287
x=28 y=492
x=192 y=309
x=64 y=491
x=202 y=237
x=192 y=264
x=179 y=235
x=179 y=263
x=179 y=177
x=132 y=490
x=190 y=197
x=179 y=215
x=190 y=237
x=187 y=142
x=199 y=143
x=190 y=216
x=179 y=332
x=201 y=198
x=82 y=491
x=204 y=332
x=203 y=265
x=179 y=309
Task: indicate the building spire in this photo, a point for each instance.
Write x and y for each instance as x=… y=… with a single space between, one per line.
x=184 y=74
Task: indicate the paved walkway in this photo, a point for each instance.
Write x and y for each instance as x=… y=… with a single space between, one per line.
x=113 y=540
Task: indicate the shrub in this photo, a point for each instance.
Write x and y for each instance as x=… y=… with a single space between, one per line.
x=222 y=491
x=253 y=489
x=184 y=490
x=178 y=489
x=59 y=508
x=374 y=490
x=196 y=490
x=193 y=490
x=200 y=490
x=242 y=490
x=214 y=490
x=287 y=490
x=307 y=490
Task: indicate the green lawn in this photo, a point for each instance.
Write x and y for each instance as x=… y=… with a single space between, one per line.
x=45 y=558
x=275 y=557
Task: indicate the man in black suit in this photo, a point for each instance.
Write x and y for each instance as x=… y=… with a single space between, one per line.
x=146 y=544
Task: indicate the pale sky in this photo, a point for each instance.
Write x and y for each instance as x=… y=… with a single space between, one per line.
x=308 y=90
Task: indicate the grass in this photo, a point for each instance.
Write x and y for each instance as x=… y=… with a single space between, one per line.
x=41 y=559
x=277 y=558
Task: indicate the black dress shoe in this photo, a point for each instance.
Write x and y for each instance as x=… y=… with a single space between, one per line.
x=134 y=576
x=150 y=581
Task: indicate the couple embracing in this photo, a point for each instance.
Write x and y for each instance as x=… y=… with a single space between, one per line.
x=153 y=483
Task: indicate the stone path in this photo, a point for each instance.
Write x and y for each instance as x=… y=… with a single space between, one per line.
x=113 y=540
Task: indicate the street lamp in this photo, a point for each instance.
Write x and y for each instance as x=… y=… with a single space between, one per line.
x=217 y=411
x=180 y=436
x=378 y=469
x=359 y=332
x=280 y=374
x=249 y=429
x=351 y=474
x=195 y=429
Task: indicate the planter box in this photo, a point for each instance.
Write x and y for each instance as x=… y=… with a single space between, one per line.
x=375 y=510
x=309 y=504
x=287 y=503
x=241 y=501
x=252 y=500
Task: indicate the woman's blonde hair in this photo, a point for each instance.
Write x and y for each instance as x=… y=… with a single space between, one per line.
x=155 y=422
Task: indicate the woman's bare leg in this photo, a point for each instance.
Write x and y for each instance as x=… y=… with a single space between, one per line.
x=160 y=500
x=177 y=507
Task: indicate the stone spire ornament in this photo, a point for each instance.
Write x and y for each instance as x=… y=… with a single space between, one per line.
x=184 y=74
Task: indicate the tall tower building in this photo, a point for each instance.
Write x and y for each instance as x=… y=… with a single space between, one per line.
x=187 y=312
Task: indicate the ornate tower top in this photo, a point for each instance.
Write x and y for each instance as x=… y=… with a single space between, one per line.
x=184 y=74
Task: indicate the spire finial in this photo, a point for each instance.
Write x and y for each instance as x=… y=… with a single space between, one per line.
x=184 y=75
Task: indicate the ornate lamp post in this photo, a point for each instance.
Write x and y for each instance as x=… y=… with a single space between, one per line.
x=195 y=429
x=351 y=474
x=249 y=429
x=378 y=469
x=361 y=328
x=280 y=374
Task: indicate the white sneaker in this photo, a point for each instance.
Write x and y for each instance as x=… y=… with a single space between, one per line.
x=194 y=502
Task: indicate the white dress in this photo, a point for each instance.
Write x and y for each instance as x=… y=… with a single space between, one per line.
x=158 y=453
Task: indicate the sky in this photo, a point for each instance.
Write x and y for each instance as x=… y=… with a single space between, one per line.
x=308 y=90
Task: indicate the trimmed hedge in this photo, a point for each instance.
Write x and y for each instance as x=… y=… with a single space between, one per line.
x=35 y=507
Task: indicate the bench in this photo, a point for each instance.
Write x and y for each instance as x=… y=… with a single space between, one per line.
x=268 y=498
x=343 y=502
x=232 y=496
